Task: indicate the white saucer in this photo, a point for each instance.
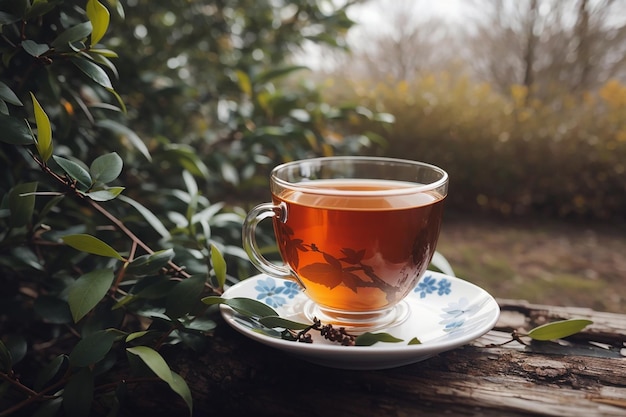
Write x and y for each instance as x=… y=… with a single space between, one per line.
x=445 y=313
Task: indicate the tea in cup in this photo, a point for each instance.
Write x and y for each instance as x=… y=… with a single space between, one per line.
x=356 y=233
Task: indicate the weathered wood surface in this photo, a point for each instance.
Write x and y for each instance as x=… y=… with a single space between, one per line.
x=586 y=376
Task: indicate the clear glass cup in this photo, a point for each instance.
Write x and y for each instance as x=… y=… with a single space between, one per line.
x=356 y=233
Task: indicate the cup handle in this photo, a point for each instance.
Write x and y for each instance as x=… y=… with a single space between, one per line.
x=258 y=213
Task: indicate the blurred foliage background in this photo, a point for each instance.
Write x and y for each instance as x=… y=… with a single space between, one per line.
x=523 y=103
x=186 y=105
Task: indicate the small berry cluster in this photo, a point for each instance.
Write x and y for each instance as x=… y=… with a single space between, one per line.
x=338 y=335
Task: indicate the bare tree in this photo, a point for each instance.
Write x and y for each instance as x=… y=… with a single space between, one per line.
x=399 y=40
x=546 y=44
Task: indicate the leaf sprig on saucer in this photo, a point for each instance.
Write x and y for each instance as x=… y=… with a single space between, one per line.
x=300 y=332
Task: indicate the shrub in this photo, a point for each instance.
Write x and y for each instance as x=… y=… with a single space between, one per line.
x=120 y=202
x=509 y=155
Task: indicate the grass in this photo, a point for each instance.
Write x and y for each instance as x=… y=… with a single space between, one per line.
x=544 y=262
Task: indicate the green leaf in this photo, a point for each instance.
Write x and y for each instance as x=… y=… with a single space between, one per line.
x=16 y=345
x=22 y=203
x=250 y=307
x=277 y=72
x=49 y=372
x=104 y=52
x=35 y=49
x=7 y=94
x=187 y=157
x=91 y=244
x=7 y=18
x=157 y=364
x=106 y=168
x=153 y=220
x=15 y=131
x=6 y=362
x=44 y=131
x=73 y=34
x=92 y=348
x=368 y=339
x=39 y=8
x=136 y=335
x=99 y=17
x=107 y=194
x=49 y=408
x=415 y=341
x=153 y=287
x=245 y=306
x=123 y=108
x=219 y=265
x=275 y=321
x=244 y=82
x=55 y=310
x=126 y=133
x=93 y=71
x=74 y=170
x=184 y=296
x=151 y=263
x=558 y=329
x=88 y=290
x=213 y=300
x=78 y=393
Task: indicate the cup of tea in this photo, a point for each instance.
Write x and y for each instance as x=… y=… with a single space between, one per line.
x=355 y=232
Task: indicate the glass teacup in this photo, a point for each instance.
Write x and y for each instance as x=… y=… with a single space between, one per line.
x=356 y=233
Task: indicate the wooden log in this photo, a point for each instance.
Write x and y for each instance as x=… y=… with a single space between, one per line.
x=236 y=376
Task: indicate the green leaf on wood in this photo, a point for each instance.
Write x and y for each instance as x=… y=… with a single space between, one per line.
x=99 y=17
x=44 y=131
x=558 y=329
x=88 y=290
x=157 y=364
x=91 y=244
x=106 y=168
x=368 y=339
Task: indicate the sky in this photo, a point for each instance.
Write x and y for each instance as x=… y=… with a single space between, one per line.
x=372 y=12
x=375 y=15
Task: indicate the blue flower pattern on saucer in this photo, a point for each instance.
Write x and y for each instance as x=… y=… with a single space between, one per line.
x=455 y=315
x=273 y=295
x=430 y=285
